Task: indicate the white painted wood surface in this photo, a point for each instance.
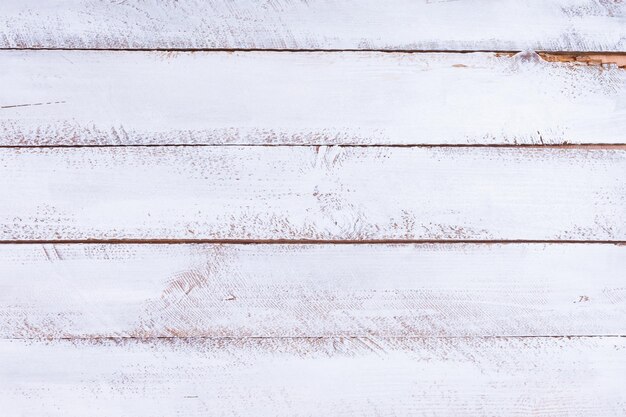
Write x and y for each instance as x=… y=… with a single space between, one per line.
x=319 y=193
x=130 y=98
x=578 y=377
x=111 y=306
x=568 y=25
x=86 y=291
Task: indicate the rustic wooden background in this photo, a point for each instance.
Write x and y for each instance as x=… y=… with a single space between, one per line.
x=312 y=208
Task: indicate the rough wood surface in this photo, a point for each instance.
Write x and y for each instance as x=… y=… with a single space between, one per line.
x=214 y=208
x=68 y=291
x=314 y=377
x=141 y=98
x=312 y=193
x=568 y=25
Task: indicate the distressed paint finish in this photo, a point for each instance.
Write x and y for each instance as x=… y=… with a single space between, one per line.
x=86 y=291
x=270 y=272
x=312 y=193
x=314 y=377
x=140 y=98
x=568 y=25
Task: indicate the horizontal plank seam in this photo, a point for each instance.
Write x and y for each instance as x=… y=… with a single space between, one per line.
x=368 y=336
x=332 y=50
x=565 y=145
x=305 y=241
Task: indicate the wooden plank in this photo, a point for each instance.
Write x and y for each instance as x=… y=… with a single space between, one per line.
x=53 y=291
x=569 y=25
x=113 y=98
x=312 y=193
x=314 y=377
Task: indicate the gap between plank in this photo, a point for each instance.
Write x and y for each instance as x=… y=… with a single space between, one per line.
x=576 y=57
x=613 y=146
x=302 y=242
x=367 y=336
x=305 y=50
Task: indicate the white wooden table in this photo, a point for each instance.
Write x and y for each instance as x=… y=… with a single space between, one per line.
x=312 y=208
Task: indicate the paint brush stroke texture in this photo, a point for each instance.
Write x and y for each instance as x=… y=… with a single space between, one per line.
x=312 y=193
x=211 y=290
x=577 y=377
x=150 y=98
x=170 y=326
x=565 y=25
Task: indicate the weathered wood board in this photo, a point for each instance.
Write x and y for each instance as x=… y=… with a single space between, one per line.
x=561 y=25
x=312 y=208
x=140 y=98
x=86 y=291
x=366 y=377
x=312 y=193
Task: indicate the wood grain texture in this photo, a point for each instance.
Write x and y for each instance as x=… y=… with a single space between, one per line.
x=141 y=98
x=569 y=25
x=171 y=314
x=69 y=291
x=314 y=377
x=312 y=193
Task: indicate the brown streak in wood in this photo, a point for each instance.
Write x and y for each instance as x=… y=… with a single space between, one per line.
x=12 y=106
x=618 y=60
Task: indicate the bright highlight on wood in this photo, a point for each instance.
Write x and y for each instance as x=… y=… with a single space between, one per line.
x=312 y=193
x=503 y=25
x=430 y=290
x=140 y=98
x=310 y=376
